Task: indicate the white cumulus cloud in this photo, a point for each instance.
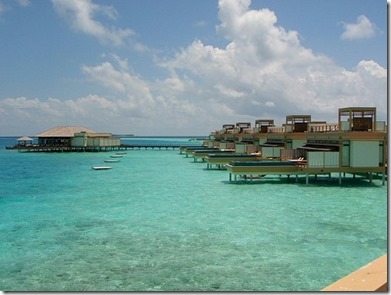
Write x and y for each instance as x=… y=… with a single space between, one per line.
x=362 y=29
x=24 y=3
x=263 y=72
x=82 y=16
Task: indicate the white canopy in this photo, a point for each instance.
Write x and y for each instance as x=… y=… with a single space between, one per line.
x=25 y=138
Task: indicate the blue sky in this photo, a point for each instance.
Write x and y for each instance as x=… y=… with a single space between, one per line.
x=185 y=67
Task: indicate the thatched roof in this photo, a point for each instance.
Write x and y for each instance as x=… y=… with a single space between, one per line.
x=64 y=131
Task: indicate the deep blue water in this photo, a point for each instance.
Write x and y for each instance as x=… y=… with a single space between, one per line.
x=159 y=221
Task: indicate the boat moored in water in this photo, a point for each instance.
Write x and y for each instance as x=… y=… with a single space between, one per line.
x=101 y=167
x=112 y=161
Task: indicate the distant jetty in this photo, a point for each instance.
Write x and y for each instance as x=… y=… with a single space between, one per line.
x=82 y=139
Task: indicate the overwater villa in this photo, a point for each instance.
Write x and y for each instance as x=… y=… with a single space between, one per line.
x=357 y=144
x=71 y=139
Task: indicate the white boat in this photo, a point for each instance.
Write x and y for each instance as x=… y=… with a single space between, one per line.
x=121 y=153
x=116 y=156
x=101 y=167
x=112 y=161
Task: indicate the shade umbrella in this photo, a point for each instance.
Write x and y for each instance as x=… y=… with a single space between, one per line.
x=24 y=140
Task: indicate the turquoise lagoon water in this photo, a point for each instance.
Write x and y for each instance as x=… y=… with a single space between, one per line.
x=158 y=221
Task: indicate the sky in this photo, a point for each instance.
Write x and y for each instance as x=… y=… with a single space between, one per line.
x=185 y=67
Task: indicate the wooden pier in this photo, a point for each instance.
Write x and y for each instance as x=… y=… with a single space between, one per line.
x=66 y=149
x=156 y=146
x=122 y=147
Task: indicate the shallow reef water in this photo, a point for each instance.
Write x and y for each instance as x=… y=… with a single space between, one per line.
x=158 y=221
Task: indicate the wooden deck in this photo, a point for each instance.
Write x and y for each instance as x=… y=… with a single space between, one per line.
x=249 y=170
x=369 y=278
x=220 y=160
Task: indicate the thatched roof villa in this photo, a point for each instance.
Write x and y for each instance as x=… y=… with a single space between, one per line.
x=72 y=138
x=61 y=135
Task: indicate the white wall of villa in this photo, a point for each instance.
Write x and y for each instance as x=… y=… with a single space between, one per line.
x=296 y=143
x=95 y=140
x=355 y=154
x=245 y=148
x=381 y=126
x=103 y=142
x=240 y=148
x=222 y=145
x=262 y=140
x=364 y=153
x=226 y=145
x=271 y=152
x=323 y=159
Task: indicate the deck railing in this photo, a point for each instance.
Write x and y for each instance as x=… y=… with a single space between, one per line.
x=371 y=277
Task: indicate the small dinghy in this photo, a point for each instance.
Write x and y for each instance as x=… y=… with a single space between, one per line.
x=112 y=161
x=116 y=156
x=101 y=167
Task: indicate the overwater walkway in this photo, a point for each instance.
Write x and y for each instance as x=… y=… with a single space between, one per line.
x=122 y=147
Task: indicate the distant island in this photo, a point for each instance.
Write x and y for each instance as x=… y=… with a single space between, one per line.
x=123 y=135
